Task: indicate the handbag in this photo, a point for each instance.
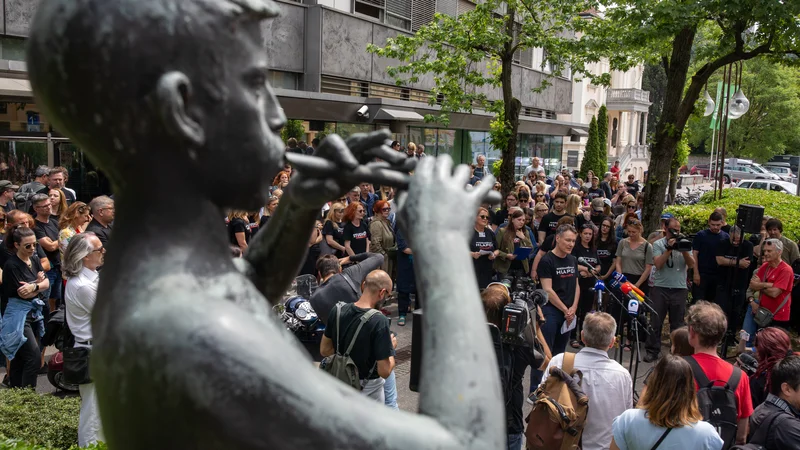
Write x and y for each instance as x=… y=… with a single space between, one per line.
x=763 y=316
x=76 y=365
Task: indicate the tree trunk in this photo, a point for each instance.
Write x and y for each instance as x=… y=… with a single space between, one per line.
x=669 y=129
x=511 y=109
x=673 y=179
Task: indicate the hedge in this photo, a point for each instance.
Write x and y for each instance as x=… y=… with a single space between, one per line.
x=31 y=421
x=776 y=204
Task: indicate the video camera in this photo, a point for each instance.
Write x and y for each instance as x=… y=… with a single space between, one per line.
x=520 y=315
x=683 y=243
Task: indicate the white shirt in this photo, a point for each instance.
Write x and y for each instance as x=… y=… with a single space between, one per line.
x=79 y=297
x=610 y=390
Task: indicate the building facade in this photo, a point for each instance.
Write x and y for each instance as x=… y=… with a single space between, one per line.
x=323 y=75
x=627 y=106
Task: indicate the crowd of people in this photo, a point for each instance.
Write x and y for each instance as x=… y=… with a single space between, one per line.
x=52 y=245
x=541 y=229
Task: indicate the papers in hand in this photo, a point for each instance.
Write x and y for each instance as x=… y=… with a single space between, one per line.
x=567 y=326
x=485 y=252
x=523 y=252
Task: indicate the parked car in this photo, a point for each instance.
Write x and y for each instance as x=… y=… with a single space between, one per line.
x=782 y=170
x=792 y=160
x=745 y=169
x=769 y=185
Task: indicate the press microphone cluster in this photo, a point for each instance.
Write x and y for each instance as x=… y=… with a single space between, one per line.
x=618 y=280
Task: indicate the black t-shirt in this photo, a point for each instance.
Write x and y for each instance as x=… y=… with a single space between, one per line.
x=103 y=233
x=487 y=241
x=727 y=228
x=549 y=244
x=606 y=255
x=563 y=272
x=513 y=361
x=310 y=264
x=337 y=231
x=68 y=196
x=262 y=223
x=50 y=230
x=549 y=223
x=499 y=217
x=590 y=255
x=744 y=251
x=16 y=271
x=633 y=188
x=238 y=225
x=595 y=193
x=373 y=343
x=357 y=235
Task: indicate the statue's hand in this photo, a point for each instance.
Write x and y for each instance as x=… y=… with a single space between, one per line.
x=338 y=166
x=422 y=211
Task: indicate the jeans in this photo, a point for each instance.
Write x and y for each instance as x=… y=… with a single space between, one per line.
x=373 y=389
x=557 y=342
x=404 y=301
x=56 y=284
x=665 y=300
x=390 y=391
x=751 y=327
x=514 y=441
x=26 y=362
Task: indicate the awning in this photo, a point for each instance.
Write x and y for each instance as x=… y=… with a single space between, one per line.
x=577 y=132
x=15 y=87
x=398 y=114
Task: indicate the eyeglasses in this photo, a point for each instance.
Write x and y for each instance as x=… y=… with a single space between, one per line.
x=483 y=216
x=541 y=210
x=605 y=225
x=511 y=199
x=30 y=246
x=386 y=209
x=101 y=250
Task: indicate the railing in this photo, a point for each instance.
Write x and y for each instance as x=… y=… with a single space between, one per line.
x=636 y=95
x=631 y=153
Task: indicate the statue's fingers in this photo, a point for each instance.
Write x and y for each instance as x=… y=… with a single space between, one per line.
x=388 y=154
x=335 y=149
x=425 y=168
x=361 y=144
x=444 y=167
x=461 y=174
x=483 y=193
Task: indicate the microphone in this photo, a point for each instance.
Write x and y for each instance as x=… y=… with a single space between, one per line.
x=633 y=301
x=622 y=280
x=629 y=290
x=585 y=263
x=599 y=287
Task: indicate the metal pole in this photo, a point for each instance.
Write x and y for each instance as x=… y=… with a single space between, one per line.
x=723 y=139
x=711 y=159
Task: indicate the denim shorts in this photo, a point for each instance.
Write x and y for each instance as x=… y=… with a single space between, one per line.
x=56 y=284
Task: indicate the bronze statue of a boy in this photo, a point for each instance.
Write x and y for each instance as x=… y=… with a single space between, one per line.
x=170 y=98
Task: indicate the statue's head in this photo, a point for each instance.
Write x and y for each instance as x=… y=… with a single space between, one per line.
x=177 y=85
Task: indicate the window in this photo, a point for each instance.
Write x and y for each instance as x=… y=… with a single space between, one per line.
x=369 y=10
x=284 y=80
x=760 y=185
x=776 y=188
x=398 y=13
x=745 y=185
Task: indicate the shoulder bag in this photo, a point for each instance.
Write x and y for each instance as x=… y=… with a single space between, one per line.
x=76 y=361
x=763 y=316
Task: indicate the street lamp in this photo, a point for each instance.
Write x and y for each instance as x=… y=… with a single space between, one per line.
x=739 y=105
x=710 y=106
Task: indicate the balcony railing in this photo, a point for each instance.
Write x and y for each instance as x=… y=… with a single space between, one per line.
x=628 y=95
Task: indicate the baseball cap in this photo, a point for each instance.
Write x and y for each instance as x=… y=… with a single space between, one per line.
x=5 y=184
x=667 y=216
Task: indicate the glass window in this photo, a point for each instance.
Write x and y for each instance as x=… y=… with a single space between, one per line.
x=745 y=185
x=760 y=185
x=776 y=188
x=430 y=135
x=345 y=130
x=446 y=145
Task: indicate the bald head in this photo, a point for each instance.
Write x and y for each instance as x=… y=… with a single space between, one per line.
x=376 y=281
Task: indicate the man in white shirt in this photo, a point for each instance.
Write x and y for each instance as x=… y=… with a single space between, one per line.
x=534 y=167
x=83 y=256
x=605 y=381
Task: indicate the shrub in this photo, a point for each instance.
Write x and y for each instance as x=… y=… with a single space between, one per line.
x=31 y=421
x=781 y=206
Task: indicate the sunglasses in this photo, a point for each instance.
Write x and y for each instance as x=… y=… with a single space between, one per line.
x=631 y=206
x=30 y=246
x=483 y=216
x=360 y=211
x=338 y=210
x=386 y=209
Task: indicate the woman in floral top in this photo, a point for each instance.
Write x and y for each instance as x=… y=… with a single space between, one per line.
x=72 y=222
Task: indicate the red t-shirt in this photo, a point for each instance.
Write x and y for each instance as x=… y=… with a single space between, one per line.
x=719 y=371
x=614 y=171
x=781 y=277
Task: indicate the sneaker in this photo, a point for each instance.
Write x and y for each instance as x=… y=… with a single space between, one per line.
x=650 y=357
x=401 y=321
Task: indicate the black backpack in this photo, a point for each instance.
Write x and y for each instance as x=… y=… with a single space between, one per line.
x=718 y=404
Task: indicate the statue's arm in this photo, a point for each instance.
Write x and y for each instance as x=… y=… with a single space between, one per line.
x=460 y=384
x=276 y=254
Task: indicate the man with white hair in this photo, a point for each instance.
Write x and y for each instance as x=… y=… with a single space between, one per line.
x=605 y=381
x=83 y=256
x=772 y=288
x=102 y=217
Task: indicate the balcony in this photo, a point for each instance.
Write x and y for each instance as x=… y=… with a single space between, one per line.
x=628 y=100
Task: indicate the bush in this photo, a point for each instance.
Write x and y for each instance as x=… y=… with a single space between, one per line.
x=31 y=421
x=778 y=205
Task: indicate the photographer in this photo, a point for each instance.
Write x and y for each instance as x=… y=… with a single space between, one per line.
x=672 y=256
x=512 y=360
x=733 y=259
x=337 y=285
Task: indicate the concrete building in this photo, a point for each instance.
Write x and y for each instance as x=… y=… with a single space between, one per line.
x=323 y=75
x=627 y=106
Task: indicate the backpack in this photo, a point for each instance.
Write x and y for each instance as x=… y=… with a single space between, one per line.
x=23 y=196
x=758 y=440
x=558 y=416
x=718 y=404
x=340 y=365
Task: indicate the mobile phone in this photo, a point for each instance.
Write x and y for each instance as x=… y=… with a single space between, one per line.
x=744 y=335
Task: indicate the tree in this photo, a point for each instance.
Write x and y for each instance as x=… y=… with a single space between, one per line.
x=602 y=133
x=771 y=126
x=592 y=158
x=672 y=32
x=293 y=129
x=654 y=81
x=680 y=158
x=474 y=52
